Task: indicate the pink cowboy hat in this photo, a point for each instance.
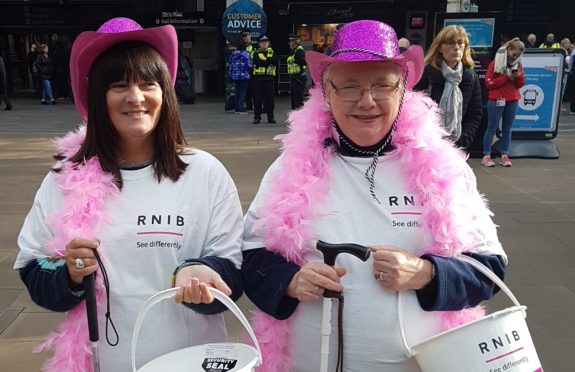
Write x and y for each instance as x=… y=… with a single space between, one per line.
x=367 y=41
x=89 y=45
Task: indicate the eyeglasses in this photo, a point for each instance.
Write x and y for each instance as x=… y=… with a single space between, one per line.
x=354 y=93
x=451 y=42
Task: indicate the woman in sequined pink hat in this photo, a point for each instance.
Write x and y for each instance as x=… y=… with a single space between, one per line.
x=365 y=161
x=128 y=187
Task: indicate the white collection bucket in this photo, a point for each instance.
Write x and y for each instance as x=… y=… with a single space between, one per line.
x=217 y=357
x=498 y=342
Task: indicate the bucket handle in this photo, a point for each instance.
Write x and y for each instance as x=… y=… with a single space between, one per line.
x=479 y=267
x=171 y=292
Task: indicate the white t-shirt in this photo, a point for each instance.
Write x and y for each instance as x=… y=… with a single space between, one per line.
x=153 y=227
x=371 y=332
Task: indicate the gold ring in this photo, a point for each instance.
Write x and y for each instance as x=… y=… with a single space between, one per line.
x=379 y=275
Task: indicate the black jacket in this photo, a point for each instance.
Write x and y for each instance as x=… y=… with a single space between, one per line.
x=433 y=83
x=45 y=66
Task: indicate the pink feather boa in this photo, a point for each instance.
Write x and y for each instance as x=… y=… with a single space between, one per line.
x=86 y=190
x=433 y=169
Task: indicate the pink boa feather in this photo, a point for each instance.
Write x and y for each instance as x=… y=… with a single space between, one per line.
x=433 y=170
x=86 y=188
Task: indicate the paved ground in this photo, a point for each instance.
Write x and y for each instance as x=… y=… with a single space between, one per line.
x=534 y=203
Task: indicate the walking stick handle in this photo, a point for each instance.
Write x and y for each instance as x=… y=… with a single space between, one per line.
x=330 y=251
x=91 y=306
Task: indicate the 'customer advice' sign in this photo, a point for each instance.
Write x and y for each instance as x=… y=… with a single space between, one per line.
x=243 y=15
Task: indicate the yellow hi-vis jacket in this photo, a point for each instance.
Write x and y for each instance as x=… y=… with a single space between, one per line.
x=554 y=45
x=269 y=70
x=294 y=68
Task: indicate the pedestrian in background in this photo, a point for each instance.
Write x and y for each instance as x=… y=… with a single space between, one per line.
x=550 y=42
x=3 y=87
x=297 y=67
x=240 y=66
x=531 y=41
x=184 y=79
x=571 y=80
x=503 y=79
x=404 y=44
x=450 y=80
x=36 y=83
x=251 y=46
x=566 y=46
x=265 y=67
x=45 y=71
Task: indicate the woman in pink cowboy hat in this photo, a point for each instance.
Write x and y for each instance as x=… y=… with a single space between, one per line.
x=128 y=187
x=366 y=161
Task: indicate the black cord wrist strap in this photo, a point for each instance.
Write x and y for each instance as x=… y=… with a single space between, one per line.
x=109 y=322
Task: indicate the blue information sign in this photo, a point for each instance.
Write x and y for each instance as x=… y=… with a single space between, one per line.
x=243 y=15
x=479 y=30
x=541 y=94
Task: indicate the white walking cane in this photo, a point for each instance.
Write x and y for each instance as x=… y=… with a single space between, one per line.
x=92 y=311
x=330 y=252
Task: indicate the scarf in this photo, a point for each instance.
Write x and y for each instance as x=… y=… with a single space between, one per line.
x=433 y=170
x=86 y=189
x=451 y=103
x=502 y=63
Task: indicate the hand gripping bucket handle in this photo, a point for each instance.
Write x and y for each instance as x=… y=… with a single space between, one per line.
x=170 y=293
x=481 y=268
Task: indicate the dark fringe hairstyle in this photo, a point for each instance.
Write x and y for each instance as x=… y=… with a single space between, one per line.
x=132 y=62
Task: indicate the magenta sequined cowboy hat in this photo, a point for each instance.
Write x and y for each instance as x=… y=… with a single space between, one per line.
x=367 y=41
x=90 y=44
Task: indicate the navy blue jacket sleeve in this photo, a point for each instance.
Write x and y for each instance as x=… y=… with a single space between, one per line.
x=229 y=274
x=267 y=276
x=457 y=285
x=49 y=285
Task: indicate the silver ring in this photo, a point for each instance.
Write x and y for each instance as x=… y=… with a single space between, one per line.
x=79 y=263
x=379 y=275
x=316 y=290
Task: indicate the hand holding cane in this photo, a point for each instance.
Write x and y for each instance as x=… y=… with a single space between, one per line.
x=330 y=252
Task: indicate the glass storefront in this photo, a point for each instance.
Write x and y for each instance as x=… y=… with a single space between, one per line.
x=316 y=37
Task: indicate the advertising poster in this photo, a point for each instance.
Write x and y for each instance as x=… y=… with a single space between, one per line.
x=540 y=96
x=479 y=30
x=243 y=15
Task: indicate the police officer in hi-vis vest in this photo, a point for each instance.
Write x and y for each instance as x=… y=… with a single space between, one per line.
x=265 y=68
x=297 y=67
x=251 y=47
